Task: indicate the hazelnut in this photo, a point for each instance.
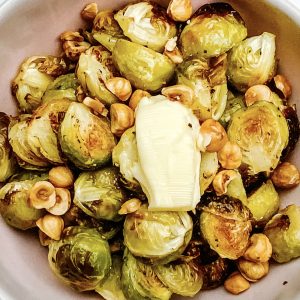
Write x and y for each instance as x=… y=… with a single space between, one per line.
x=230 y=156
x=252 y=271
x=257 y=93
x=283 y=85
x=172 y=51
x=71 y=36
x=42 y=195
x=62 y=204
x=180 y=10
x=90 y=11
x=136 y=97
x=96 y=106
x=259 y=249
x=61 y=177
x=130 y=206
x=236 y=284
x=286 y=176
x=217 y=132
x=122 y=118
x=222 y=180
x=120 y=87
x=179 y=92
x=73 y=49
x=51 y=225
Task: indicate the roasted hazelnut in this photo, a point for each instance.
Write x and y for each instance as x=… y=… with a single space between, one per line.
x=230 y=156
x=51 y=225
x=61 y=177
x=71 y=36
x=283 y=85
x=236 y=284
x=96 y=106
x=180 y=10
x=179 y=92
x=130 y=206
x=63 y=202
x=257 y=93
x=120 y=87
x=90 y=11
x=217 y=133
x=42 y=195
x=286 y=176
x=221 y=181
x=259 y=249
x=252 y=271
x=122 y=118
x=136 y=97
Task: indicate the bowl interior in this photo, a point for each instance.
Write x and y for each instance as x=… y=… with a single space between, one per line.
x=32 y=27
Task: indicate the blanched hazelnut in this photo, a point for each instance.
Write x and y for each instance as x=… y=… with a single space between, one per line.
x=136 y=97
x=130 y=206
x=180 y=10
x=286 y=176
x=230 y=156
x=179 y=92
x=236 y=284
x=283 y=85
x=51 y=225
x=257 y=93
x=122 y=118
x=259 y=249
x=252 y=271
x=42 y=195
x=63 y=202
x=120 y=87
x=90 y=11
x=221 y=181
x=217 y=132
x=61 y=177
x=97 y=107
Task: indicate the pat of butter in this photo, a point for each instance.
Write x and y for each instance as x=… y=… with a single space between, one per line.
x=167 y=134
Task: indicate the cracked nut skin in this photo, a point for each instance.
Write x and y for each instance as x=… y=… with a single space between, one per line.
x=230 y=156
x=236 y=284
x=122 y=118
x=252 y=271
x=286 y=176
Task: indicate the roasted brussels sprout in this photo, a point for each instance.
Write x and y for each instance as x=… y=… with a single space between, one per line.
x=180 y=278
x=140 y=282
x=252 y=61
x=159 y=237
x=283 y=233
x=99 y=195
x=85 y=138
x=63 y=87
x=81 y=258
x=111 y=288
x=7 y=160
x=143 y=67
x=226 y=226
x=262 y=133
x=263 y=203
x=235 y=189
x=14 y=205
x=146 y=23
x=214 y=29
x=93 y=69
x=35 y=74
x=106 y=29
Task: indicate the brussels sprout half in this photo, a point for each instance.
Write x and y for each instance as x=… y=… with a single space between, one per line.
x=99 y=195
x=159 y=237
x=252 y=61
x=143 y=67
x=140 y=282
x=81 y=258
x=85 y=138
x=213 y=30
x=262 y=133
x=146 y=23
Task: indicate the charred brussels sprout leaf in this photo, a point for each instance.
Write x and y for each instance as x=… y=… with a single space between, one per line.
x=139 y=281
x=143 y=67
x=147 y=24
x=14 y=205
x=7 y=160
x=262 y=133
x=85 y=138
x=81 y=258
x=35 y=74
x=181 y=278
x=98 y=194
x=63 y=87
x=159 y=237
x=252 y=61
x=94 y=68
x=225 y=225
x=283 y=233
x=214 y=29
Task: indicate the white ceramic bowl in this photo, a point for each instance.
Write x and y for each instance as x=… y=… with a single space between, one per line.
x=31 y=27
